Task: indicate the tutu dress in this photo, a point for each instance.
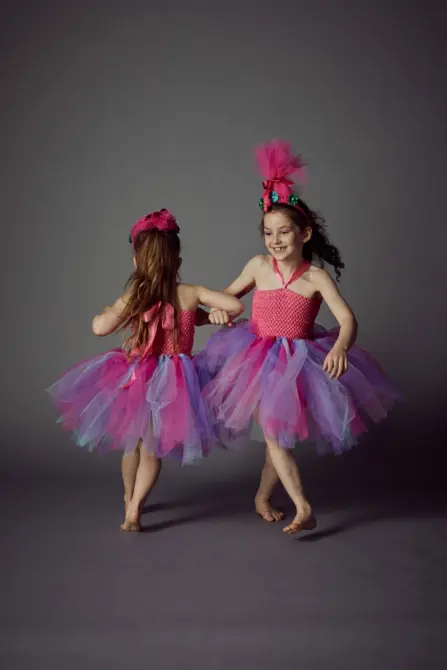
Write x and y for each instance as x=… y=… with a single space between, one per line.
x=270 y=369
x=112 y=400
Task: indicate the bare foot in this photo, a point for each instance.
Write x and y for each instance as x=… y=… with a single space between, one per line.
x=304 y=520
x=132 y=521
x=266 y=511
x=131 y=526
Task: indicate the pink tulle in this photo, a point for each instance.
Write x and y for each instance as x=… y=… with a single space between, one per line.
x=110 y=403
x=281 y=383
x=276 y=161
x=113 y=400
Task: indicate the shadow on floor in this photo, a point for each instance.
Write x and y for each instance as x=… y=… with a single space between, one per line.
x=397 y=471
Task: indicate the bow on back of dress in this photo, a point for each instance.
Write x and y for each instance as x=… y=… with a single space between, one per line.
x=159 y=315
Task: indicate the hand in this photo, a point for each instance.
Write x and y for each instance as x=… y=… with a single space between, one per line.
x=219 y=317
x=336 y=362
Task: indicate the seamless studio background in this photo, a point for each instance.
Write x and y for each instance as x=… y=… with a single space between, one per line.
x=112 y=109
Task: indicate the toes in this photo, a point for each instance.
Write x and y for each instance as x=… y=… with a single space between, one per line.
x=277 y=515
x=292 y=528
x=268 y=513
x=299 y=525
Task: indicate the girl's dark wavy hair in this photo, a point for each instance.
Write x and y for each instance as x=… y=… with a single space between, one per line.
x=318 y=249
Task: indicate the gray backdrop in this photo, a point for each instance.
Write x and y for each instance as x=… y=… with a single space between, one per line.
x=111 y=109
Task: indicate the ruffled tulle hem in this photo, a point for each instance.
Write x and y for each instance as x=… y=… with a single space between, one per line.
x=110 y=403
x=281 y=384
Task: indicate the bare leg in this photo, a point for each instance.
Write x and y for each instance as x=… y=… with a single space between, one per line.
x=269 y=479
x=129 y=467
x=287 y=470
x=147 y=475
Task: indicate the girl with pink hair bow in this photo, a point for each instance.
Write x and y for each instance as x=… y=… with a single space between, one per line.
x=145 y=398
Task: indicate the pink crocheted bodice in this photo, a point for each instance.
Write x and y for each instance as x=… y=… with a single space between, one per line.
x=164 y=339
x=283 y=313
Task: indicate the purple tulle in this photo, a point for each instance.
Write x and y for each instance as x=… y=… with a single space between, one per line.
x=110 y=402
x=281 y=384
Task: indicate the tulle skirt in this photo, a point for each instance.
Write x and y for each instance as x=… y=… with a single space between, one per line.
x=110 y=403
x=281 y=383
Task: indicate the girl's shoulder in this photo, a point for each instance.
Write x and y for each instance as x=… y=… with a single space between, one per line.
x=320 y=280
x=187 y=296
x=259 y=263
x=261 y=260
x=318 y=275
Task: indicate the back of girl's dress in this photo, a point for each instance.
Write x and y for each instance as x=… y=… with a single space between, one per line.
x=115 y=399
x=271 y=369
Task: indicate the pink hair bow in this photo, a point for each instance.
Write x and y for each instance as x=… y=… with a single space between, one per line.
x=162 y=220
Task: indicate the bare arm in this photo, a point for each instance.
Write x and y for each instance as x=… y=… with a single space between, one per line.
x=110 y=319
x=219 y=300
x=239 y=287
x=339 y=308
x=246 y=280
x=336 y=362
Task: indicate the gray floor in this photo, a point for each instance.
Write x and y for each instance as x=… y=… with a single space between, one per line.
x=208 y=585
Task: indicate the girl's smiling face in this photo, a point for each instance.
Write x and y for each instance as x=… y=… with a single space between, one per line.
x=283 y=239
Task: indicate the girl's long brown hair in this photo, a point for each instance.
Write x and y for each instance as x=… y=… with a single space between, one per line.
x=154 y=280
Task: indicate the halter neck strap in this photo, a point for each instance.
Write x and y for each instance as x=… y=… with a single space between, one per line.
x=296 y=274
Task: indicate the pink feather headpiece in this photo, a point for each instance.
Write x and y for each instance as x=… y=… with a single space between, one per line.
x=276 y=163
x=162 y=220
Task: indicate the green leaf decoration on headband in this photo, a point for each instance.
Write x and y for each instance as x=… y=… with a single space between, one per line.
x=274 y=197
x=130 y=239
x=261 y=203
x=293 y=199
